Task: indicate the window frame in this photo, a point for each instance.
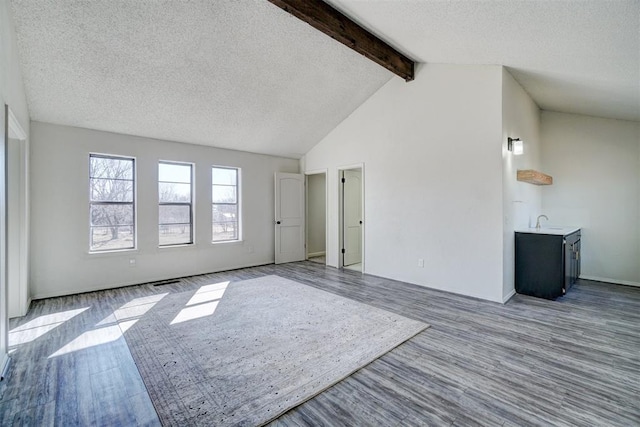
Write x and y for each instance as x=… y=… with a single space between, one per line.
x=238 y=204
x=133 y=203
x=190 y=204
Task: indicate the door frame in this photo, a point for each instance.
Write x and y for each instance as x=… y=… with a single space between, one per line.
x=11 y=129
x=4 y=306
x=340 y=171
x=326 y=210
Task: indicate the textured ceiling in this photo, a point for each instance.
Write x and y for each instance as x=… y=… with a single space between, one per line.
x=576 y=56
x=245 y=75
x=235 y=74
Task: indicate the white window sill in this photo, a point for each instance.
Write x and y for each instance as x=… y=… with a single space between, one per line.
x=183 y=245
x=113 y=252
x=227 y=242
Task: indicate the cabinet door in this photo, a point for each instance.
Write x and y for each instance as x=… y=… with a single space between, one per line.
x=539 y=265
x=576 y=261
x=572 y=259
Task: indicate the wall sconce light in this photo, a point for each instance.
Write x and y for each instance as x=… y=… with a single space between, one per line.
x=515 y=145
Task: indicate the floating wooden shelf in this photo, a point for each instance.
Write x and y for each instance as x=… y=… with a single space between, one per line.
x=534 y=177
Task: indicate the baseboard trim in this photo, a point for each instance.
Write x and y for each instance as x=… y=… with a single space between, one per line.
x=608 y=280
x=507 y=297
x=67 y=292
x=315 y=254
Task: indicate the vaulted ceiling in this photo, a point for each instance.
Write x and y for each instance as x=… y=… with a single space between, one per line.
x=571 y=56
x=235 y=74
x=246 y=75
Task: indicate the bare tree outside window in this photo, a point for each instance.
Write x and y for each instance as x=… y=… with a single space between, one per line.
x=112 y=206
x=225 y=206
x=175 y=210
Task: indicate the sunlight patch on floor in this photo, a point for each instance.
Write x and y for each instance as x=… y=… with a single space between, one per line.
x=102 y=335
x=39 y=326
x=203 y=303
x=113 y=326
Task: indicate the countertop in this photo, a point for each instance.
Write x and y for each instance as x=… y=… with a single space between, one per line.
x=558 y=231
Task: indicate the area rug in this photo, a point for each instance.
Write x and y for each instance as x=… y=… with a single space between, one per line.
x=244 y=353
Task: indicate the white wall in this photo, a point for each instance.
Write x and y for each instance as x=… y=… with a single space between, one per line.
x=12 y=93
x=433 y=184
x=316 y=213
x=60 y=260
x=521 y=201
x=595 y=164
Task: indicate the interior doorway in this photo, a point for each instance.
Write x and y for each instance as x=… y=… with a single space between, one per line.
x=352 y=218
x=316 y=197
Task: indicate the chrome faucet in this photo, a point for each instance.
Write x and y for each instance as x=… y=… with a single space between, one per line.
x=538 y=221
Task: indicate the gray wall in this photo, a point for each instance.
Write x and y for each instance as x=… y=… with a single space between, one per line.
x=431 y=152
x=521 y=200
x=60 y=258
x=595 y=164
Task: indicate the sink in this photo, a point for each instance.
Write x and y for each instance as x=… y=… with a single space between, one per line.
x=557 y=230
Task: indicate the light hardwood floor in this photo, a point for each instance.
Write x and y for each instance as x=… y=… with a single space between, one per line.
x=574 y=361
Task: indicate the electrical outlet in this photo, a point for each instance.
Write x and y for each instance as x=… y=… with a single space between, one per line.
x=420 y=262
x=132 y=262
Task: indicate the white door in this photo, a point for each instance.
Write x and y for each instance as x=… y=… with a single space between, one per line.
x=289 y=221
x=17 y=292
x=352 y=204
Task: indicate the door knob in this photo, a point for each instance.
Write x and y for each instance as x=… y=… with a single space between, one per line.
x=360 y=222
x=277 y=222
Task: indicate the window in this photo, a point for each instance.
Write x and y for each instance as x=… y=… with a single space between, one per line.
x=112 y=203
x=175 y=210
x=225 y=206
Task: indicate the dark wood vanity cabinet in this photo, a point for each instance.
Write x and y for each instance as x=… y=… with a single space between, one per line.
x=547 y=265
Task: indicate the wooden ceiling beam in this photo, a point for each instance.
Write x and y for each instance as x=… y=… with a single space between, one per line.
x=335 y=24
